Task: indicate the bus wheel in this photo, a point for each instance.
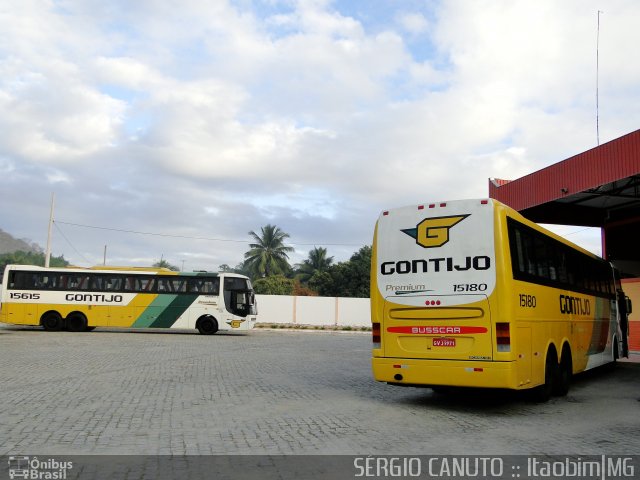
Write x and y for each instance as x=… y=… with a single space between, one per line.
x=564 y=373
x=76 y=322
x=51 y=321
x=207 y=325
x=542 y=393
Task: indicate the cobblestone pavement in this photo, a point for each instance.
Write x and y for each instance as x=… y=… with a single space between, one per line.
x=277 y=392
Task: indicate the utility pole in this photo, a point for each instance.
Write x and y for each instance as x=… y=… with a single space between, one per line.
x=47 y=255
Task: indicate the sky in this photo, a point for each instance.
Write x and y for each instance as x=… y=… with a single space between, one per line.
x=193 y=122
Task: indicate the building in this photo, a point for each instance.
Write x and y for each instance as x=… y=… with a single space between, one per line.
x=596 y=188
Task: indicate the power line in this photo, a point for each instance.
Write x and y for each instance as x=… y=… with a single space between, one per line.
x=578 y=231
x=171 y=235
x=70 y=244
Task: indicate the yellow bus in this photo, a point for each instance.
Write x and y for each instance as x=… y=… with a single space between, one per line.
x=469 y=293
x=80 y=299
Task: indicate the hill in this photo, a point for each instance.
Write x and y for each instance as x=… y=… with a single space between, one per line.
x=10 y=244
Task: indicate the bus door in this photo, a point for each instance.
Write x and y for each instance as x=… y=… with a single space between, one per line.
x=624 y=309
x=238 y=298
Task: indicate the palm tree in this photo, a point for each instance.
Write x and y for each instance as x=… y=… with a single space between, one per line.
x=317 y=262
x=164 y=264
x=268 y=255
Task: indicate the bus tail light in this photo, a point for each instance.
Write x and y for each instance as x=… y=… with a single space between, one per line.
x=503 y=337
x=375 y=335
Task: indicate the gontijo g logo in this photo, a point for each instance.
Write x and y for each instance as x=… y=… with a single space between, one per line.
x=434 y=232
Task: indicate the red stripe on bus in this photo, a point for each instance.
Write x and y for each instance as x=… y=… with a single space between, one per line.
x=437 y=330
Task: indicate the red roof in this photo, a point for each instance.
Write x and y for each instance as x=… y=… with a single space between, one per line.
x=607 y=163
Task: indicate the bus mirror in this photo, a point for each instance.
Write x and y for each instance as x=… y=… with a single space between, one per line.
x=629 y=306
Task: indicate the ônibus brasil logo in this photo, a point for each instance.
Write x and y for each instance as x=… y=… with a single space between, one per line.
x=434 y=232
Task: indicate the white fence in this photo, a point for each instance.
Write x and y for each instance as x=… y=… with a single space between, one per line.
x=321 y=311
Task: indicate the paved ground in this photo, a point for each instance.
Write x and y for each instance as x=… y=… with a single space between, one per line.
x=277 y=392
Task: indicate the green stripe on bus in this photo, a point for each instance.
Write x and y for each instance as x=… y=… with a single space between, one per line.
x=173 y=311
x=154 y=310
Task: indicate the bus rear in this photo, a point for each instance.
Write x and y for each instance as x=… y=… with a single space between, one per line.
x=433 y=291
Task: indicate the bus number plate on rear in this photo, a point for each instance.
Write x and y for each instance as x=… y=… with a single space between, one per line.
x=444 y=342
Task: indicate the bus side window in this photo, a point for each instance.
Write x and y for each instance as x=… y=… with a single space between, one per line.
x=145 y=284
x=541 y=255
x=83 y=282
x=204 y=286
x=76 y=281
x=113 y=283
x=130 y=284
x=165 y=285
x=178 y=285
x=562 y=266
x=36 y=281
x=48 y=281
x=194 y=285
x=212 y=286
x=529 y=254
x=19 y=280
x=97 y=283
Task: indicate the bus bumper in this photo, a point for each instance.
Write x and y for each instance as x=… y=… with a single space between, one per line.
x=451 y=373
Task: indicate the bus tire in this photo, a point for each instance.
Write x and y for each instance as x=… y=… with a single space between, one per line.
x=207 y=325
x=51 y=321
x=543 y=392
x=76 y=322
x=564 y=373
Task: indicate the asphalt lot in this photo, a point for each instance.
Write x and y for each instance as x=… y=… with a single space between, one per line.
x=277 y=392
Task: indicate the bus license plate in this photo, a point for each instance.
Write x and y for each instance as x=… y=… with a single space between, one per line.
x=444 y=342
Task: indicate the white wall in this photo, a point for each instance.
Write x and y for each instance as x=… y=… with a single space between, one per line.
x=321 y=311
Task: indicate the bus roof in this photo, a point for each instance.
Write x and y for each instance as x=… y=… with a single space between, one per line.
x=120 y=269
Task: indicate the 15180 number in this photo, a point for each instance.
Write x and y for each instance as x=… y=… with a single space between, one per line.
x=470 y=287
x=527 y=301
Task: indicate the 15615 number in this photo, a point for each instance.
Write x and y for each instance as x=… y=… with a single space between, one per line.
x=24 y=296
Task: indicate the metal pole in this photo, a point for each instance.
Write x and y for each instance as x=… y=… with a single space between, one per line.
x=598 y=80
x=47 y=255
x=104 y=258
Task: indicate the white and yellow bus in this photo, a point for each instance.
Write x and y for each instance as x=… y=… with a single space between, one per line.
x=79 y=299
x=470 y=293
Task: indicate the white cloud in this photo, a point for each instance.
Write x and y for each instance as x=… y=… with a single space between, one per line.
x=215 y=118
x=414 y=23
x=55 y=118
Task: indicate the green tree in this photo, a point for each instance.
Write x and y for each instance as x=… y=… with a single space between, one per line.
x=322 y=282
x=239 y=268
x=345 y=279
x=29 y=258
x=318 y=261
x=164 y=264
x=274 y=285
x=268 y=254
